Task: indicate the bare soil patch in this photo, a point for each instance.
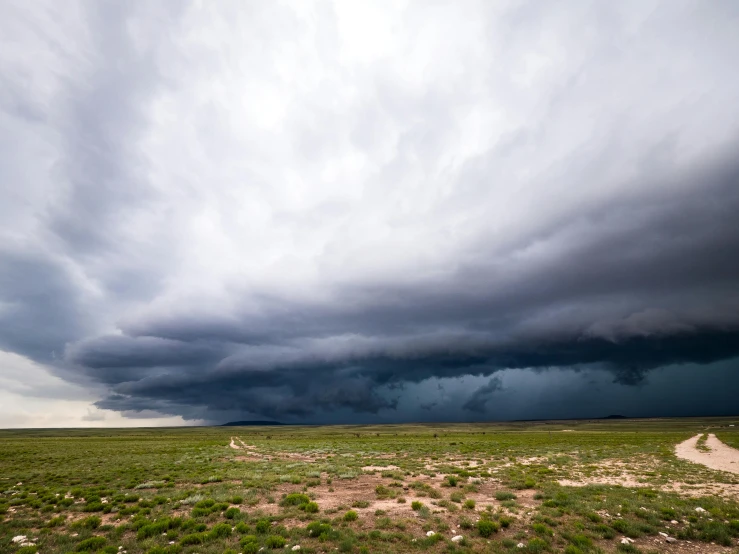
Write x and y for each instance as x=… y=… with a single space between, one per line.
x=379 y=468
x=719 y=457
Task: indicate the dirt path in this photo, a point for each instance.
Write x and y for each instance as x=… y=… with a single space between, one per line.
x=721 y=457
x=233 y=444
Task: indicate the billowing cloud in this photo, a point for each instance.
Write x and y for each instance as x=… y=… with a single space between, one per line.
x=310 y=211
x=477 y=402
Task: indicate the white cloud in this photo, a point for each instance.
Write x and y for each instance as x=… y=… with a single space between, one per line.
x=32 y=397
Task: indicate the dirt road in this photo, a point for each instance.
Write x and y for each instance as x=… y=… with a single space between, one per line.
x=720 y=456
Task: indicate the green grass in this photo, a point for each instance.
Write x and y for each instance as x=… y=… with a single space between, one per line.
x=184 y=491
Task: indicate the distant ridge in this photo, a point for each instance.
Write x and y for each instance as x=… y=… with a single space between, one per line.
x=581 y=418
x=251 y=423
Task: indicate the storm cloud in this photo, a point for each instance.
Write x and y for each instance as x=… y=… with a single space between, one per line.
x=317 y=211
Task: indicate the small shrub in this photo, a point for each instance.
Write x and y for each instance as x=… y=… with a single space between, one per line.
x=581 y=542
x=541 y=529
x=92 y=522
x=295 y=499
x=504 y=495
x=318 y=529
x=263 y=525
x=469 y=504
x=151 y=530
x=96 y=506
x=486 y=527
x=382 y=491
x=242 y=528
x=620 y=525
x=310 y=507
x=248 y=539
x=192 y=538
x=231 y=513
x=452 y=480
x=200 y=512
x=416 y=505
x=537 y=545
x=351 y=515
x=604 y=531
x=275 y=541
x=237 y=500
x=93 y=544
x=360 y=504
x=220 y=531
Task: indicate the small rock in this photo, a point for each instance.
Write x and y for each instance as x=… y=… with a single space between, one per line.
x=674 y=522
x=663 y=534
x=700 y=510
x=670 y=539
x=520 y=545
x=295 y=548
x=19 y=538
x=430 y=534
x=457 y=538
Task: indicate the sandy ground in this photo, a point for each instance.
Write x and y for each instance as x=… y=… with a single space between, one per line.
x=720 y=457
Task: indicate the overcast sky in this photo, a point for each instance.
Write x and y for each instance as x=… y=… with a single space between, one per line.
x=367 y=211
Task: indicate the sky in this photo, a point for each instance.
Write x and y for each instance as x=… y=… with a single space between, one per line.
x=358 y=212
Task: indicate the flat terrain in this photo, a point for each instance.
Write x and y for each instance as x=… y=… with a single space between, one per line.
x=658 y=485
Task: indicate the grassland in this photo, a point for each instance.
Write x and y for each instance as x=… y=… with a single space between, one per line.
x=574 y=487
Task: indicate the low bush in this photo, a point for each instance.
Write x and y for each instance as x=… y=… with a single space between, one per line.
x=486 y=527
x=275 y=541
x=93 y=544
x=263 y=525
x=295 y=499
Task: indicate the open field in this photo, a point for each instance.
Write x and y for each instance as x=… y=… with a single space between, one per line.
x=574 y=486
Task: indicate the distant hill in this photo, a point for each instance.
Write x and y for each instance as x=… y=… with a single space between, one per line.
x=615 y=417
x=253 y=423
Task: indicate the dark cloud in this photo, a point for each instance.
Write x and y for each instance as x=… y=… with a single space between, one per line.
x=478 y=400
x=214 y=214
